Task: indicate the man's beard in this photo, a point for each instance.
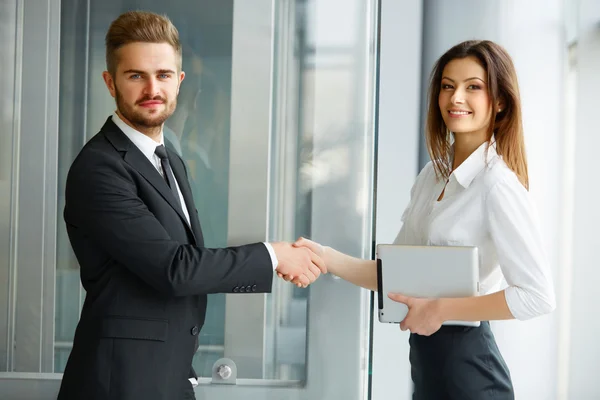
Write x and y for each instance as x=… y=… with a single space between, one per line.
x=140 y=119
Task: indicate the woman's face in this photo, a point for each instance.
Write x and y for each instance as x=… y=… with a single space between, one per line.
x=464 y=100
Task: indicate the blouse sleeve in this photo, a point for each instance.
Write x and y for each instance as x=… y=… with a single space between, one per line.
x=515 y=232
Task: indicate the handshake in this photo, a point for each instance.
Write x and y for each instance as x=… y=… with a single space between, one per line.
x=301 y=262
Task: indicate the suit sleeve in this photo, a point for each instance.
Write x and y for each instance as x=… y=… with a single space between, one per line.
x=103 y=205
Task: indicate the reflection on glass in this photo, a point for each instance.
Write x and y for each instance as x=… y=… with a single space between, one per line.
x=198 y=131
x=322 y=112
x=320 y=119
x=8 y=19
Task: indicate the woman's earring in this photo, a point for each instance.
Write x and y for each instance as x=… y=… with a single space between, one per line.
x=499 y=110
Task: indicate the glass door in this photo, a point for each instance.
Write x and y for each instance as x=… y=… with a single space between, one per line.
x=275 y=124
x=199 y=131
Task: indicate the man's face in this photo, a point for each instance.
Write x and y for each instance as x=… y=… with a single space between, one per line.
x=146 y=84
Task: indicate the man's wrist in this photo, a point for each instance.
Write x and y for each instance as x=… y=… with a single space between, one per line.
x=272 y=254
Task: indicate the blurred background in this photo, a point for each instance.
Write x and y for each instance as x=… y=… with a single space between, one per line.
x=298 y=117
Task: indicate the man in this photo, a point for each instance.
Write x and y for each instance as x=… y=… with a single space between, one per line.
x=132 y=224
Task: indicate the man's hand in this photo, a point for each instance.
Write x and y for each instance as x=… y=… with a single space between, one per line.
x=299 y=264
x=315 y=248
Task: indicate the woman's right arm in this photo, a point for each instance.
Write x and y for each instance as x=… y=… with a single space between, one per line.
x=354 y=270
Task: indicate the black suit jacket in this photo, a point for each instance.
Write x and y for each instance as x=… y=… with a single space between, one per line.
x=146 y=274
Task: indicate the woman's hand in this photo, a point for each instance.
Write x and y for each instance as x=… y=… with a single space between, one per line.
x=316 y=248
x=424 y=315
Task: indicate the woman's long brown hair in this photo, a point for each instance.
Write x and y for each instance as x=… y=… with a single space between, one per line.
x=503 y=87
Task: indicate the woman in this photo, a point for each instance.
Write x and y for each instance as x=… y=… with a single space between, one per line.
x=474 y=193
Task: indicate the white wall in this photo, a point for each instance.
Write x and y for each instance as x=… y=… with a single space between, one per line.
x=582 y=342
x=533 y=33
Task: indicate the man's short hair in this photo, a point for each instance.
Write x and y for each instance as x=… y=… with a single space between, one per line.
x=139 y=26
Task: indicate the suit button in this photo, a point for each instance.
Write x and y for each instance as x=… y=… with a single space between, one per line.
x=195 y=330
x=236 y=289
x=242 y=289
x=254 y=288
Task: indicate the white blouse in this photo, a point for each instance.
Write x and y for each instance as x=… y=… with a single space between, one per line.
x=485 y=205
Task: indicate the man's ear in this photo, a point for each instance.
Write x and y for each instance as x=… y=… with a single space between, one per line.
x=110 y=83
x=181 y=78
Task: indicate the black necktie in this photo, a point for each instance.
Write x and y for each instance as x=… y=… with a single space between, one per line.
x=161 y=152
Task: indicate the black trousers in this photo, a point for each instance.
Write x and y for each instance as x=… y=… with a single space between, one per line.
x=459 y=363
x=189 y=393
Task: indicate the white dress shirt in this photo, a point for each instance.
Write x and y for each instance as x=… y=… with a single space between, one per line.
x=485 y=205
x=147 y=146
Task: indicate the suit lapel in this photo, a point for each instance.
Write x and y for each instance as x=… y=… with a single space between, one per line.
x=179 y=172
x=134 y=157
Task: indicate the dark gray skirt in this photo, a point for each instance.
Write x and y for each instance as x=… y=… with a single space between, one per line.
x=459 y=363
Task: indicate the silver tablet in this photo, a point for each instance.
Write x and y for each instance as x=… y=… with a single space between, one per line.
x=424 y=271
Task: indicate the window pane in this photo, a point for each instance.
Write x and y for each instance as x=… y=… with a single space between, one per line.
x=315 y=71
x=8 y=19
x=198 y=131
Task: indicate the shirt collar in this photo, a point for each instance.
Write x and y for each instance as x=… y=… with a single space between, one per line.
x=475 y=163
x=146 y=145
